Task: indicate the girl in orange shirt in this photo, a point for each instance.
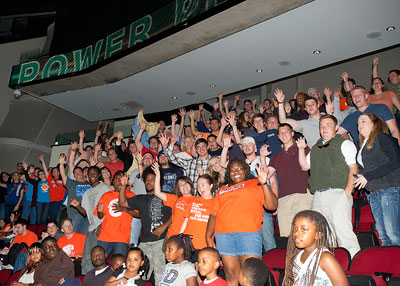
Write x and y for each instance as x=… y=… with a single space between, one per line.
x=197 y=214
x=237 y=214
x=377 y=95
x=184 y=191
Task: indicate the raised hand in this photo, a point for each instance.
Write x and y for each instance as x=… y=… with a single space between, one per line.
x=280 y=97
x=199 y=170
x=192 y=114
x=74 y=146
x=231 y=119
x=139 y=157
x=143 y=125
x=287 y=107
x=329 y=107
x=262 y=175
x=156 y=169
x=237 y=97
x=261 y=108
x=62 y=159
x=345 y=76
x=41 y=157
x=301 y=143
x=163 y=140
x=182 y=112
x=174 y=139
x=201 y=107
x=337 y=92
x=97 y=148
x=99 y=124
x=375 y=61
x=215 y=105
x=82 y=134
x=98 y=133
x=224 y=121
x=124 y=180
x=174 y=118
x=220 y=96
x=254 y=102
x=327 y=92
x=264 y=152
x=25 y=165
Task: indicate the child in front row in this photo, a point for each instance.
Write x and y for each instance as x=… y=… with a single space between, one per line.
x=179 y=271
x=253 y=273
x=209 y=260
x=309 y=259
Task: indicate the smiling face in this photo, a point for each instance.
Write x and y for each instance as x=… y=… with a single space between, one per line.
x=117 y=182
x=377 y=85
x=52 y=229
x=304 y=233
x=285 y=134
x=35 y=255
x=204 y=188
x=94 y=176
x=259 y=123
x=214 y=163
x=365 y=126
x=248 y=148
x=272 y=123
x=327 y=128
x=394 y=78
x=67 y=227
x=184 y=188
x=311 y=107
x=201 y=149
x=237 y=173
x=359 y=99
x=78 y=174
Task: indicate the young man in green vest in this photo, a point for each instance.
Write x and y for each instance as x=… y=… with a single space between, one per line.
x=332 y=163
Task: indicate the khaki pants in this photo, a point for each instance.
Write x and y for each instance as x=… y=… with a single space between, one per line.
x=288 y=207
x=153 y=250
x=336 y=208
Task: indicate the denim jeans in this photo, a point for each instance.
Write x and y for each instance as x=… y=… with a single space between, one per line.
x=28 y=210
x=118 y=247
x=268 y=232
x=54 y=209
x=385 y=209
x=42 y=212
x=3 y=210
x=79 y=222
x=136 y=229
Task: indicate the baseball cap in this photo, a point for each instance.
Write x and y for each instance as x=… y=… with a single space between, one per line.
x=248 y=139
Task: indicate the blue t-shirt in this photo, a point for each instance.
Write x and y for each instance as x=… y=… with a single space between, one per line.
x=270 y=138
x=29 y=191
x=14 y=191
x=43 y=192
x=350 y=123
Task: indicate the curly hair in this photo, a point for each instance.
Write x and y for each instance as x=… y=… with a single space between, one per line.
x=245 y=166
x=326 y=240
x=183 y=241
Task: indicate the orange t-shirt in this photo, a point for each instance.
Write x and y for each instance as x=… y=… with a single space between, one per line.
x=178 y=206
x=239 y=208
x=57 y=189
x=73 y=247
x=386 y=98
x=198 y=213
x=116 y=226
x=343 y=104
x=29 y=238
x=205 y=135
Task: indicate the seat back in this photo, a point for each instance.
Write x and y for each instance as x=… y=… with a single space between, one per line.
x=383 y=259
x=4 y=275
x=33 y=227
x=40 y=229
x=275 y=258
x=13 y=278
x=342 y=255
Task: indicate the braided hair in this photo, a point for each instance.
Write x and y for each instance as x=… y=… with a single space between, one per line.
x=326 y=240
x=144 y=269
x=183 y=241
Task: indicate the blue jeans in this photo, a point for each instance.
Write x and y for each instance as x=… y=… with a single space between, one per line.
x=385 y=209
x=239 y=243
x=3 y=210
x=28 y=210
x=55 y=209
x=118 y=247
x=136 y=228
x=268 y=232
x=79 y=222
x=42 y=212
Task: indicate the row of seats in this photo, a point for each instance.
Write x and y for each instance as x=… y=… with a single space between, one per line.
x=378 y=263
x=6 y=277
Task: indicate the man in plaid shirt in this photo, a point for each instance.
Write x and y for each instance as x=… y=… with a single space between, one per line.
x=189 y=166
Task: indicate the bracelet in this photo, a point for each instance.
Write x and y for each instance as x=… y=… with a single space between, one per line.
x=280 y=102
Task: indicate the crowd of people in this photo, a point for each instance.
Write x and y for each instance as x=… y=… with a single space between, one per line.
x=169 y=202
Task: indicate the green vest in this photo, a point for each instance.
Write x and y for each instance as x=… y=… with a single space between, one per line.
x=328 y=166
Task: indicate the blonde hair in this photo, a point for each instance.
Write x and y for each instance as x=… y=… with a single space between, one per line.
x=183 y=148
x=380 y=126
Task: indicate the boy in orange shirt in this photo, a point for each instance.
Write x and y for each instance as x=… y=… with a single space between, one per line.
x=72 y=242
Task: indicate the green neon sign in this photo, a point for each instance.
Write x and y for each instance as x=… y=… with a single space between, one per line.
x=141 y=30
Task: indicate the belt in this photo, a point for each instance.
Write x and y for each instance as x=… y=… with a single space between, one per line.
x=323 y=190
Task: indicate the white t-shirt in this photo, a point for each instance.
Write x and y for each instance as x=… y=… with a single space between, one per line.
x=176 y=274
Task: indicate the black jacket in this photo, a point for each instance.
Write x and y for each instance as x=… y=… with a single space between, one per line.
x=381 y=163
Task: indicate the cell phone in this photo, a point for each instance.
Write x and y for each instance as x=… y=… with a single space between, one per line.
x=355 y=176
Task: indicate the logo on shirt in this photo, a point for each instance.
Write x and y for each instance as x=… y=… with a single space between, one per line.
x=44 y=188
x=224 y=190
x=110 y=208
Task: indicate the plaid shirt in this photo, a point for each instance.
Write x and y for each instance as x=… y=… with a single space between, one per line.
x=189 y=166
